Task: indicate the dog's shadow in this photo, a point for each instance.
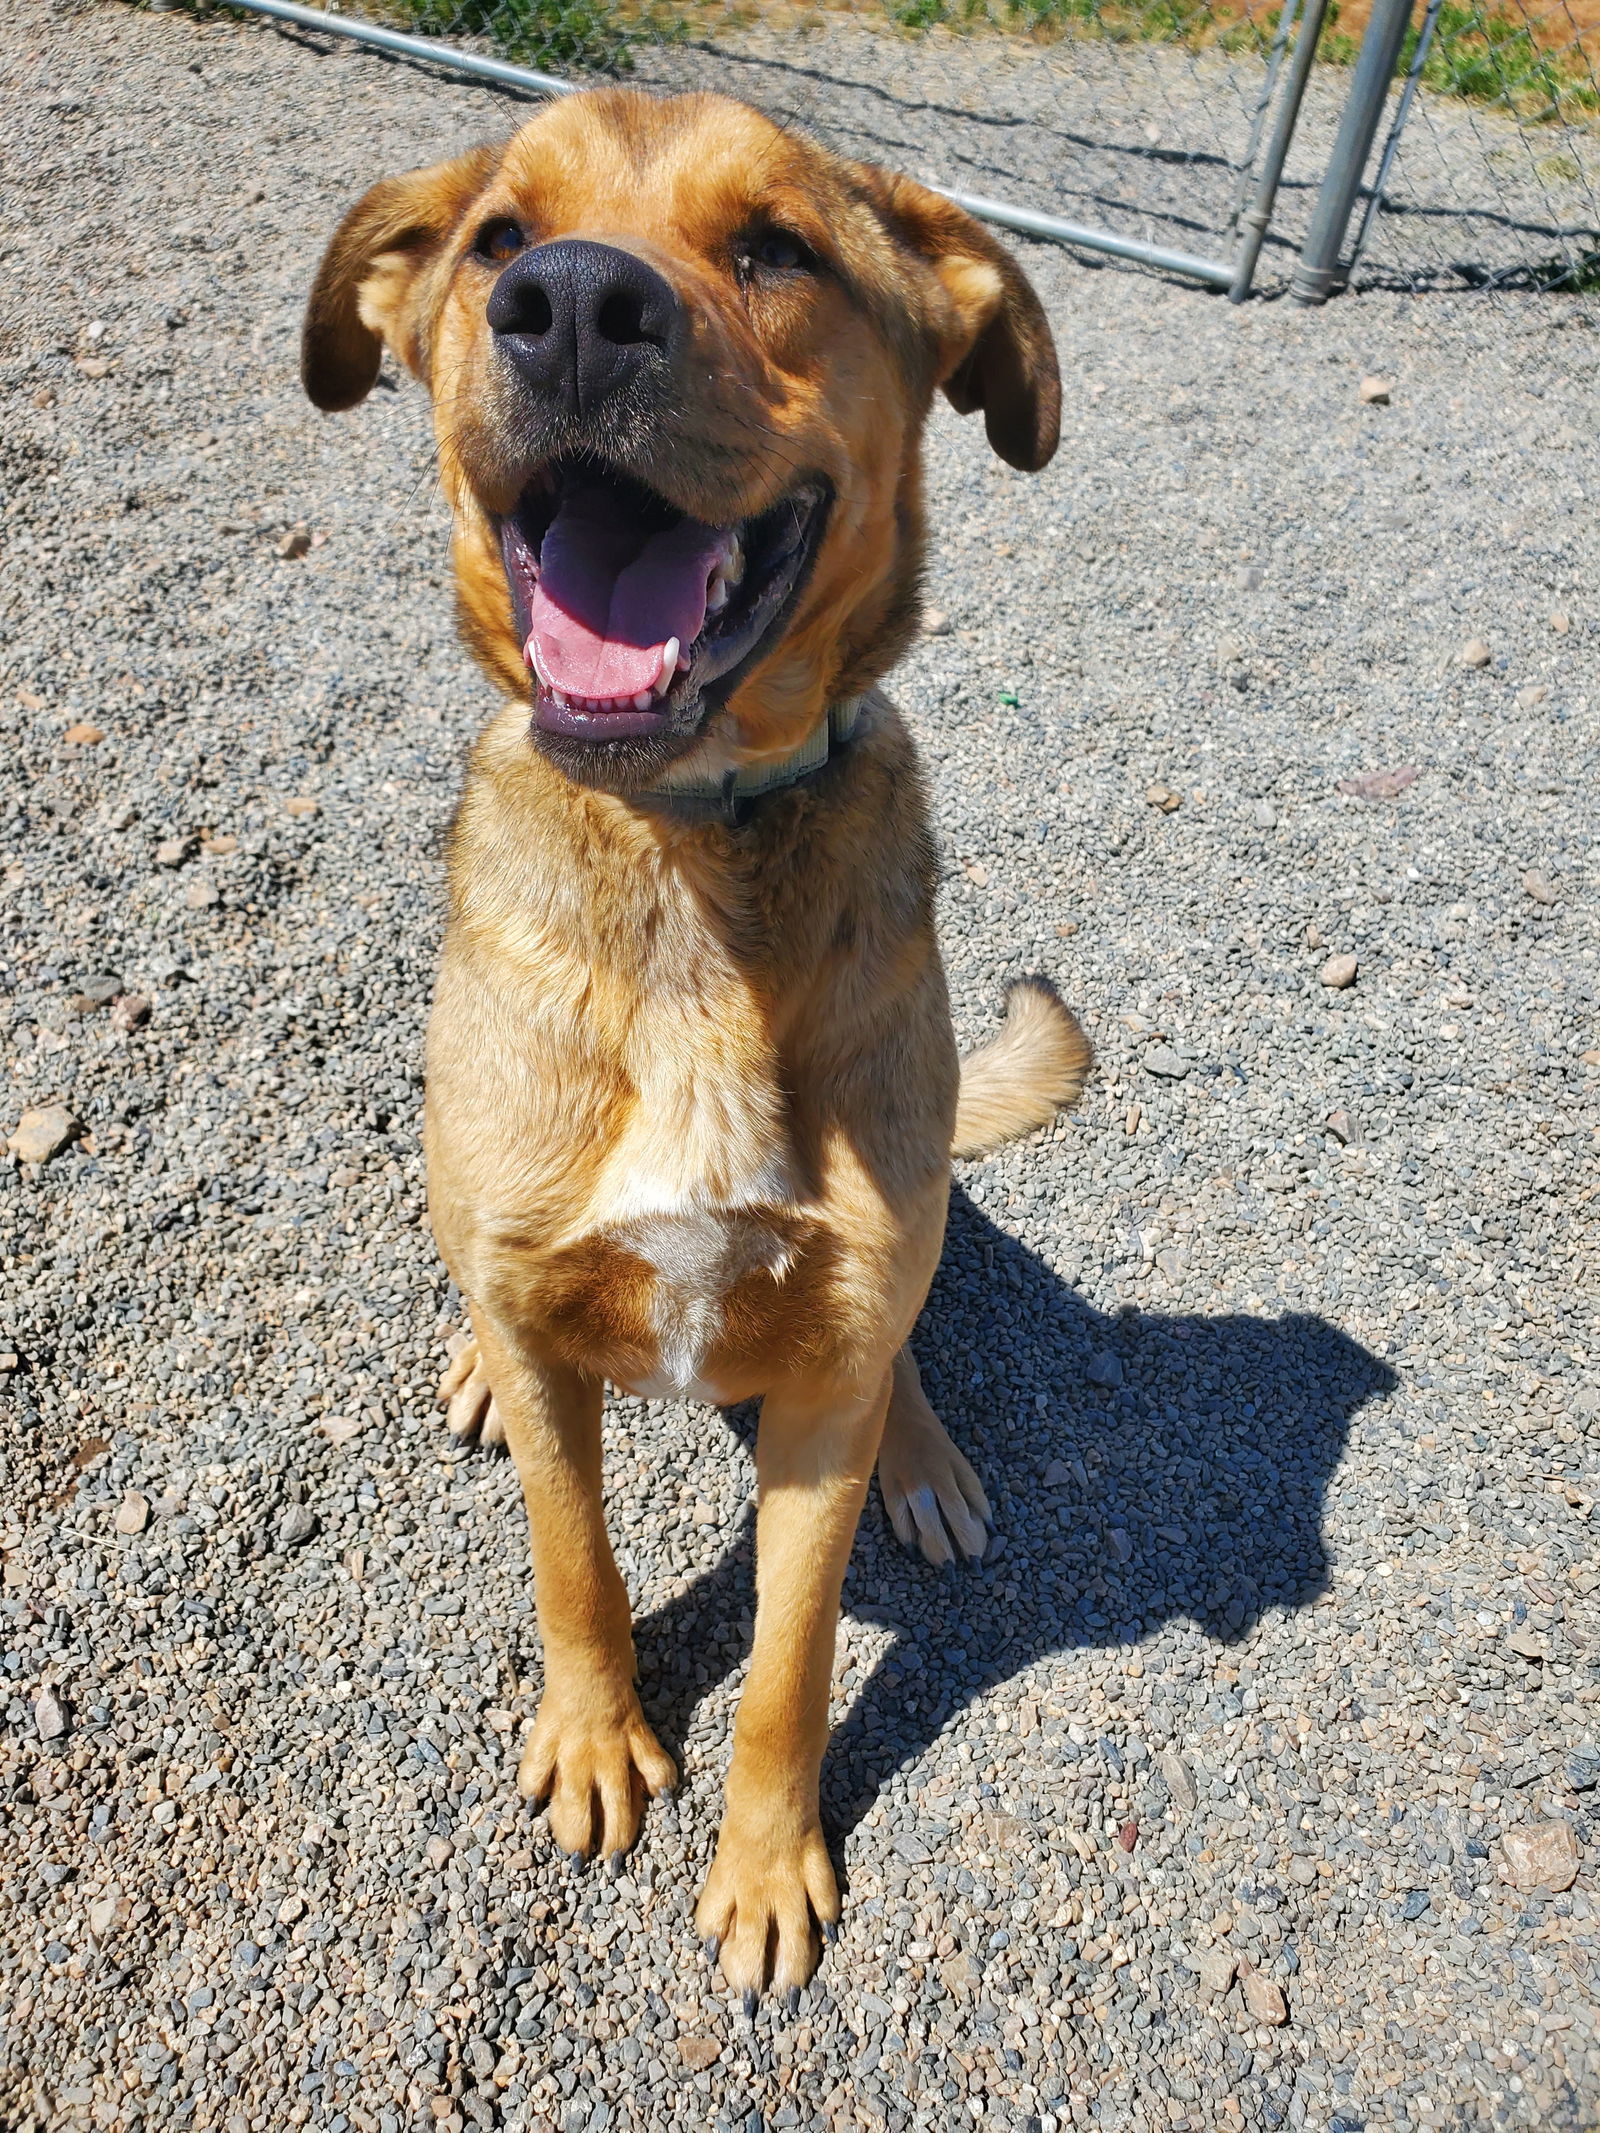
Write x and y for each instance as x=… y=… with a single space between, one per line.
x=1194 y=1487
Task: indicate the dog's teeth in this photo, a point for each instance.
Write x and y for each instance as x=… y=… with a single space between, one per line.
x=716 y=597
x=644 y=699
x=733 y=568
x=669 y=664
x=683 y=662
x=530 y=652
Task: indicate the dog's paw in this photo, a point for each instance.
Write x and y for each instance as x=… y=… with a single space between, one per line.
x=766 y=1899
x=931 y=1494
x=470 y=1412
x=596 y=1767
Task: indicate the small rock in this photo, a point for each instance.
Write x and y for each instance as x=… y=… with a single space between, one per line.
x=1561 y=622
x=1338 y=972
x=83 y=735
x=1374 y=391
x=1380 y=784
x=1066 y=928
x=100 y=991
x=222 y=845
x=132 y=1011
x=440 y=1852
x=1342 y=1126
x=1162 y=1060
x=133 y=1513
x=1263 y=1999
x=1527 y=1645
x=1217 y=1967
x=43 y=1133
x=173 y=851
x=201 y=894
x=93 y=366
x=1119 y=1544
x=935 y=624
x=1590 y=1058
x=1475 y=653
x=49 y=1717
x=1539 y=886
x=1127 y=1836
x=1105 y=1369
x=9 y=1361
x=103 y=1913
x=296 y=542
x=1315 y=937
x=1057 y=1474
x=300 y=805
x=1532 y=697
x=297 y=1524
x=1163 y=796
x=291 y=1909
x=697 y=2053
x=1249 y=577
x=1264 y=815
x=1541 y=1855
x=340 y=1430
x=1302 y=1872
x=1180 y=1783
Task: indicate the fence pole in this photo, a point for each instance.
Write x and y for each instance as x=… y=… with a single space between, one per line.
x=1258 y=217
x=1402 y=111
x=1318 y=268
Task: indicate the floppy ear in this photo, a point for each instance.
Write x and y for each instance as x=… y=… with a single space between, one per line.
x=372 y=278
x=996 y=350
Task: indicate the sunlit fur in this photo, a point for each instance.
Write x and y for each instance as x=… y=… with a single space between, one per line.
x=692 y=1091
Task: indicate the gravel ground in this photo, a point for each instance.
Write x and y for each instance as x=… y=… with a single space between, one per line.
x=1245 y=1783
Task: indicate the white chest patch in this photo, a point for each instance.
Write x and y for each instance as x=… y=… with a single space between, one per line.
x=698 y=1256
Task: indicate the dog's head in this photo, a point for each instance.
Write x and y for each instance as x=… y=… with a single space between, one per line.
x=680 y=362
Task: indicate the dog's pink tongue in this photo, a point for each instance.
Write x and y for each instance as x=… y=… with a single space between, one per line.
x=608 y=600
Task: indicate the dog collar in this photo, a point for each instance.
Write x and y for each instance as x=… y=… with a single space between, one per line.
x=730 y=798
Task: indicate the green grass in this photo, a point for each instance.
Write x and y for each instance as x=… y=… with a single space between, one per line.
x=541 y=33
x=1492 y=59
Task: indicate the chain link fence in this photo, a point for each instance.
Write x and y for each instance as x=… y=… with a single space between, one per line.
x=1451 y=146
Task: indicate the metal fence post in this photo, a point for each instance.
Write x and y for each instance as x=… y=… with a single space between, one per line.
x=1258 y=218
x=1318 y=268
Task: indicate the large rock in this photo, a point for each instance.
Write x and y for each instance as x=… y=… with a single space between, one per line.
x=43 y=1133
x=1540 y=1855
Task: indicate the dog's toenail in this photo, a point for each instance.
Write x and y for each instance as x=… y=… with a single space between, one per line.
x=712 y=1944
x=748 y=2003
x=830 y=1931
x=791 y=1999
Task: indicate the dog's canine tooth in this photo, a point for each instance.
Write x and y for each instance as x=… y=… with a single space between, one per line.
x=670 y=662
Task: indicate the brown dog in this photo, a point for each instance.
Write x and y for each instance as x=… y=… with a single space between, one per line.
x=692 y=1086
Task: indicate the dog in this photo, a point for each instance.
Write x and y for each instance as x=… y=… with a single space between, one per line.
x=692 y=1086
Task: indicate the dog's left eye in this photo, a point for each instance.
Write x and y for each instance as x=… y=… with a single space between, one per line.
x=778 y=252
x=500 y=239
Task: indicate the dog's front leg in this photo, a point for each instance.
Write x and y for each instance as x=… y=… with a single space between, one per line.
x=772 y=1877
x=589 y=1750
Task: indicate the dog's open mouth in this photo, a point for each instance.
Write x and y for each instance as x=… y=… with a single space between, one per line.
x=630 y=611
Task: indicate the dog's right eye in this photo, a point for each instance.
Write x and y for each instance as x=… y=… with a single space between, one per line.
x=500 y=240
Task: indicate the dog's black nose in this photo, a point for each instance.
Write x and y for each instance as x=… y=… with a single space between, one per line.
x=580 y=320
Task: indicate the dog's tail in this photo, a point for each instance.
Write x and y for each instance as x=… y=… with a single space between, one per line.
x=1039 y=1061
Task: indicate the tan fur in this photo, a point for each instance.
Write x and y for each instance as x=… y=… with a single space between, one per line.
x=691 y=1091
x=1037 y=1063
